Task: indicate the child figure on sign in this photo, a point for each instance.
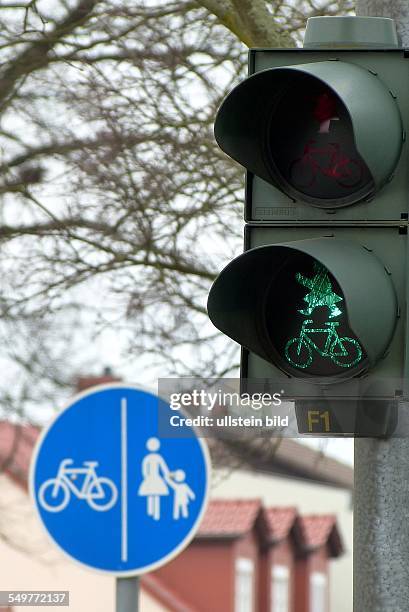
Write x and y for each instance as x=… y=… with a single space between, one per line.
x=182 y=494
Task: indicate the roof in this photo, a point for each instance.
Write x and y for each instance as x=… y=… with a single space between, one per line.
x=229 y=517
x=318 y=530
x=285 y=457
x=234 y=518
x=279 y=522
x=305 y=461
x=85 y=382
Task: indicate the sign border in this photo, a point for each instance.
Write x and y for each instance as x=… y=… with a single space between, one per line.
x=152 y=566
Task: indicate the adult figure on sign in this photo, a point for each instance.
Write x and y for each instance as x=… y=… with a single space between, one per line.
x=155 y=472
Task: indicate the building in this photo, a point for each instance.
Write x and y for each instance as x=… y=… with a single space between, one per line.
x=292 y=474
x=246 y=557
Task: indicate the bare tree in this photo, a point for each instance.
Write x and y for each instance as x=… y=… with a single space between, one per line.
x=394 y=9
x=117 y=207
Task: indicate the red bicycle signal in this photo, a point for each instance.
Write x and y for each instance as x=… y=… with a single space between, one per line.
x=345 y=171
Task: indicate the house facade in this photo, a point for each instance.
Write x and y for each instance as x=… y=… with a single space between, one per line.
x=248 y=558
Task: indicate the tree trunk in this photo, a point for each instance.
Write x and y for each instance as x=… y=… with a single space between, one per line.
x=395 y=9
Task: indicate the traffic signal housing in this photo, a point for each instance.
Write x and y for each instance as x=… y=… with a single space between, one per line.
x=277 y=299
x=280 y=122
x=318 y=297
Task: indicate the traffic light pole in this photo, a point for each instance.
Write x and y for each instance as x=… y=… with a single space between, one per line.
x=381 y=502
x=381 y=525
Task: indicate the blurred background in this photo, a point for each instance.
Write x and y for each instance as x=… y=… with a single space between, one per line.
x=117 y=211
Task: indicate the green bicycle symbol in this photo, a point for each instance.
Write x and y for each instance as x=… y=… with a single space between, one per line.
x=344 y=352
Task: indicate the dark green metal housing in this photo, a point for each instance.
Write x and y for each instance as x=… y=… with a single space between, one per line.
x=237 y=296
x=244 y=119
x=298 y=225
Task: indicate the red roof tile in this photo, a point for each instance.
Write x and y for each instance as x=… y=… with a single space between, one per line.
x=86 y=382
x=279 y=522
x=236 y=517
x=229 y=517
x=316 y=529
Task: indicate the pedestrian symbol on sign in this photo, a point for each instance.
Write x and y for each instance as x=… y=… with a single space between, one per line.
x=157 y=478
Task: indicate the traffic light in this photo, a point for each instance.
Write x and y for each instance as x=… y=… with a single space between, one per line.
x=318 y=298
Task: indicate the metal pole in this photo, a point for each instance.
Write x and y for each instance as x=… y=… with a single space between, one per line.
x=127 y=594
x=381 y=508
x=381 y=525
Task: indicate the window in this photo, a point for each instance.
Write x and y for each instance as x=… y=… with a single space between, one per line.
x=280 y=588
x=318 y=592
x=244 y=585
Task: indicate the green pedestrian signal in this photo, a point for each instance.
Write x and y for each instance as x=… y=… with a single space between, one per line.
x=305 y=350
x=302 y=306
x=321 y=291
x=319 y=295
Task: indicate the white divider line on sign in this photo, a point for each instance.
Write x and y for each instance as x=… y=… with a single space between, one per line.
x=124 y=482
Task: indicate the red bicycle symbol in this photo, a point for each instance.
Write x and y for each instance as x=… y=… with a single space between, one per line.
x=345 y=171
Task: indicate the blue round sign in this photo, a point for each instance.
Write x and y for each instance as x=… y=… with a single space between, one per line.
x=113 y=494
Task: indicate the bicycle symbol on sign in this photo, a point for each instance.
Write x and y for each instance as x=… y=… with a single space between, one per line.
x=345 y=171
x=345 y=352
x=55 y=493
